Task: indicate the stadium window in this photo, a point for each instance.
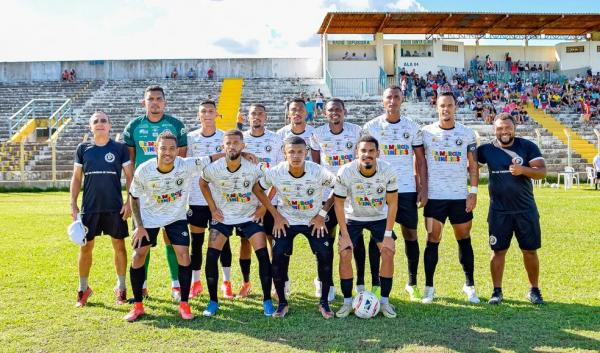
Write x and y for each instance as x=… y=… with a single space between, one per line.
x=577 y=49
x=598 y=49
x=450 y=48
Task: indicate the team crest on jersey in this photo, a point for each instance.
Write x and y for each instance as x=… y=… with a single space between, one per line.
x=179 y=181
x=219 y=149
x=213 y=222
x=459 y=142
x=349 y=145
x=310 y=191
x=406 y=135
x=380 y=190
x=109 y=157
x=517 y=160
x=493 y=240
x=182 y=132
x=190 y=213
x=268 y=148
x=246 y=183
x=184 y=233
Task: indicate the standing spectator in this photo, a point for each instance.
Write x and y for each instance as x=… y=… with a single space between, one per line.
x=174 y=73
x=66 y=75
x=73 y=75
x=210 y=73
x=310 y=108
x=191 y=74
x=240 y=120
x=319 y=100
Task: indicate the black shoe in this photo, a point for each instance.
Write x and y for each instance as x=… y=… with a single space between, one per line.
x=535 y=296
x=496 y=297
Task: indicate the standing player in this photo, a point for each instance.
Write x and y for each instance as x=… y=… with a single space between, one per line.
x=159 y=193
x=102 y=210
x=140 y=137
x=512 y=163
x=232 y=205
x=401 y=145
x=366 y=197
x=298 y=127
x=203 y=142
x=451 y=152
x=299 y=185
x=267 y=146
x=336 y=144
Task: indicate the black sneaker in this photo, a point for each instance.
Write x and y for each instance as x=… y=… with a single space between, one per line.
x=535 y=296
x=496 y=297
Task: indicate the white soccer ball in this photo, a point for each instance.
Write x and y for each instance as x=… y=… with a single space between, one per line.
x=365 y=305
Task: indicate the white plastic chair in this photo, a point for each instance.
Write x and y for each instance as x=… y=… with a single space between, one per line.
x=591 y=176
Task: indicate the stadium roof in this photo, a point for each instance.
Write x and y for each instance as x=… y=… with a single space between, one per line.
x=461 y=23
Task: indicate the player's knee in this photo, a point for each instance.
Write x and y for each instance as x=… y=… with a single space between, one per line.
x=118 y=245
x=529 y=253
x=409 y=234
x=87 y=248
x=387 y=254
x=346 y=256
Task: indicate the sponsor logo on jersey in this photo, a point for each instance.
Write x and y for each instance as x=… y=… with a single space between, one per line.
x=170 y=197
x=239 y=197
x=147 y=147
x=339 y=160
x=184 y=233
x=366 y=202
x=395 y=150
x=264 y=162
x=447 y=156
x=109 y=157
x=300 y=205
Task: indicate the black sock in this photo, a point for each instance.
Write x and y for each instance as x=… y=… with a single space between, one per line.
x=411 y=249
x=212 y=272
x=386 y=286
x=264 y=270
x=374 y=259
x=325 y=273
x=279 y=261
x=226 y=255
x=467 y=260
x=137 y=277
x=185 y=281
x=286 y=267
x=245 y=267
x=430 y=258
x=196 y=257
x=360 y=257
x=346 y=285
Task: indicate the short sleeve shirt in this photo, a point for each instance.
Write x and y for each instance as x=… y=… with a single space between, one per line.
x=336 y=149
x=306 y=135
x=200 y=146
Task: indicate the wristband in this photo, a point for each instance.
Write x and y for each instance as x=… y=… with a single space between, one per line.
x=323 y=213
x=473 y=190
x=387 y=234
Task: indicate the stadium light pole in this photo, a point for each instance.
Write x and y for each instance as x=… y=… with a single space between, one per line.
x=568 y=147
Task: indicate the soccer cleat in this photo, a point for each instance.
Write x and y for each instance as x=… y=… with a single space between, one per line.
x=331 y=294
x=82 y=297
x=196 y=289
x=268 y=307
x=376 y=290
x=325 y=311
x=135 y=313
x=120 y=295
x=282 y=310
x=176 y=294
x=318 y=288
x=245 y=290
x=428 y=295
x=185 y=311
x=471 y=295
x=388 y=310
x=413 y=292
x=211 y=309
x=344 y=311
x=287 y=289
x=496 y=297
x=535 y=296
x=227 y=291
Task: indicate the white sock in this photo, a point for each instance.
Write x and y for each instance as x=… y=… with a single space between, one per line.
x=360 y=288
x=145 y=285
x=121 y=282
x=175 y=284
x=195 y=276
x=384 y=300
x=83 y=284
x=227 y=274
x=348 y=301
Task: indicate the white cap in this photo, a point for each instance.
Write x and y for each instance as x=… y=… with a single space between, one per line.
x=76 y=232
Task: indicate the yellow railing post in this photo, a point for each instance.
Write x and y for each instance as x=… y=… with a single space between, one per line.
x=53 y=147
x=22 y=159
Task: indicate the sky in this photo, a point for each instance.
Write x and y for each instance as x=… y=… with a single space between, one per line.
x=38 y=30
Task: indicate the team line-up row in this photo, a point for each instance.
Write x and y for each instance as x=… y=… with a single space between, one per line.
x=271 y=186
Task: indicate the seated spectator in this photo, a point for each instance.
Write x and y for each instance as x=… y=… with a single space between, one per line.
x=210 y=73
x=191 y=74
x=478 y=110
x=174 y=73
x=66 y=76
x=73 y=75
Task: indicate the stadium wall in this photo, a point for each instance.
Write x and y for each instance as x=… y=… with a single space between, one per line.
x=143 y=69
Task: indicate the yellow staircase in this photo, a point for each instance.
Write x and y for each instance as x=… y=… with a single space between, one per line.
x=581 y=146
x=229 y=103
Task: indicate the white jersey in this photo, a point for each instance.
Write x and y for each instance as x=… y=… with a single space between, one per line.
x=232 y=191
x=268 y=148
x=396 y=143
x=365 y=196
x=286 y=132
x=199 y=146
x=446 y=155
x=163 y=196
x=336 y=149
x=299 y=199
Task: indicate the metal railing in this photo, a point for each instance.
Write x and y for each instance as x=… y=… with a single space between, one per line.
x=40 y=109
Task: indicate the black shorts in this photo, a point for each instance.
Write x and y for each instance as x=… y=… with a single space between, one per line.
x=177 y=232
x=452 y=209
x=244 y=230
x=331 y=222
x=407 y=214
x=109 y=223
x=199 y=216
x=284 y=245
x=267 y=223
x=525 y=226
x=377 y=229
